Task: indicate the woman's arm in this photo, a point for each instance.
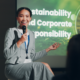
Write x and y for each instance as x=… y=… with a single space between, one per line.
x=40 y=54
x=22 y=39
x=9 y=49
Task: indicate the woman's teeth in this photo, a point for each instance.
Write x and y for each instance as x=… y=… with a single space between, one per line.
x=23 y=22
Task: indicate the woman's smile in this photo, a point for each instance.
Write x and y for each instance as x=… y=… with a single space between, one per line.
x=24 y=18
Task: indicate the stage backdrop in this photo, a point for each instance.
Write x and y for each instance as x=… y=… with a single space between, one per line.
x=53 y=21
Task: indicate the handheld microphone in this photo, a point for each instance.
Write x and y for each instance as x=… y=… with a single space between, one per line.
x=24 y=29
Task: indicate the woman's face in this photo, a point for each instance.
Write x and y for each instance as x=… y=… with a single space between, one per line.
x=24 y=18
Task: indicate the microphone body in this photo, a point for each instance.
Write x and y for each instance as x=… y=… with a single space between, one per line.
x=24 y=29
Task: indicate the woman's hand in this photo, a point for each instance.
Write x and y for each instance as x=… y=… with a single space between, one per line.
x=22 y=39
x=53 y=47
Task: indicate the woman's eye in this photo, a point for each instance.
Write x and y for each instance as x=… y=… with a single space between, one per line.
x=27 y=16
x=21 y=16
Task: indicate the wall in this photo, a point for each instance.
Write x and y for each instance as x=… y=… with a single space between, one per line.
x=7 y=19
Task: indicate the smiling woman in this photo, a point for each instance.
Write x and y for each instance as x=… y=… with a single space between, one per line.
x=24 y=17
x=19 y=51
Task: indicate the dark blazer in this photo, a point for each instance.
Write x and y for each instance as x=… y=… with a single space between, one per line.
x=13 y=54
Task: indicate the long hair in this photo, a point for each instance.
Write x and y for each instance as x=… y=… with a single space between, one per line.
x=73 y=58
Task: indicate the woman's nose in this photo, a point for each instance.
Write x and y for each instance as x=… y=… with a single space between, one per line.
x=24 y=18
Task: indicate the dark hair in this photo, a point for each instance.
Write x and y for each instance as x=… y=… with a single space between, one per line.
x=22 y=9
x=73 y=58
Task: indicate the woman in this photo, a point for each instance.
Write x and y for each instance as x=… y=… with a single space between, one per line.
x=73 y=60
x=20 y=55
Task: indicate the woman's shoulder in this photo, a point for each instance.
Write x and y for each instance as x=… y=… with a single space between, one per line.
x=11 y=30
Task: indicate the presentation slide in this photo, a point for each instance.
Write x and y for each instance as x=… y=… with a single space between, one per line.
x=53 y=21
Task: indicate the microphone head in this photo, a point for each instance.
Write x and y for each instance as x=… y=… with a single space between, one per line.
x=24 y=29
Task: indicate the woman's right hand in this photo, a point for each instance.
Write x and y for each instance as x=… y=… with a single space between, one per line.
x=22 y=39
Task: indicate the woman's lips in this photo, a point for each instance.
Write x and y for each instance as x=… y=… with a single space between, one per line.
x=23 y=23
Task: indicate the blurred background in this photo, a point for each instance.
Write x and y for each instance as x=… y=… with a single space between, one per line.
x=8 y=19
